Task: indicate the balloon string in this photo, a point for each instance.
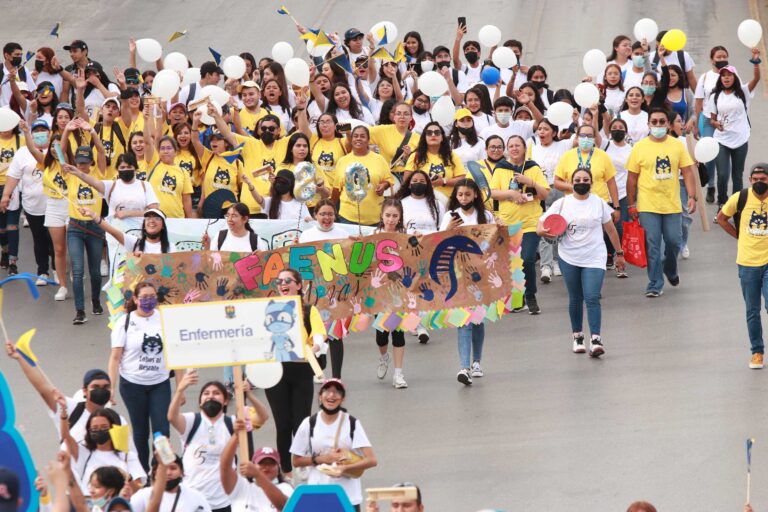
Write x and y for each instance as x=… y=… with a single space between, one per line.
x=359 y=226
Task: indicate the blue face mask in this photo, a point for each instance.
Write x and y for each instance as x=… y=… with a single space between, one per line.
x=100 y=502
x=638 y=61
x=648 y=90
x=40 y=138
x=658 y=131
x=586 y=143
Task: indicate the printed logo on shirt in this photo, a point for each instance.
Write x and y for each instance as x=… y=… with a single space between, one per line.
x=186 y=167
x=152 y=345
x=152 y=353
x=108 y=149
x=141 y=175
x=663 y=169
x=325 y=160
x=758 y=224
x=221 y=178
x=85 y=194
x=6 y=155
x=436 y=171
x=58 y=180
x=168 y=184
x=269 y=162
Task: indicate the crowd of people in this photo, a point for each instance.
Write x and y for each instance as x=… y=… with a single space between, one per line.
x=91 y=148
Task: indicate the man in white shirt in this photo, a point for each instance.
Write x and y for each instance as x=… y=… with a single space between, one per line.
x=12 y=59
x=471 y=51
x=443 y=60
x=504 y=126
x=210 y=74
x=353 y=40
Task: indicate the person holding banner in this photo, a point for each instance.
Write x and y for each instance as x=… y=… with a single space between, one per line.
x=154 y=234
x=239 y=235
x=171 y=184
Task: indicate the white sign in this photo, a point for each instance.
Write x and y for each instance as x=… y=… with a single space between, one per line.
x=228 y=333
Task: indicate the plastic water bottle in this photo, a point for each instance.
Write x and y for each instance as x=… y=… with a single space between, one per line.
x=163 y=447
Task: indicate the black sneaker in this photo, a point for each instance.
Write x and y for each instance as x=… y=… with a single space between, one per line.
x=80 y=318
x=609 y=264
x=97 y=309
x=533 y=305
x=4 y=258
x=710 y=195
x=674 y=281
x=12 y=269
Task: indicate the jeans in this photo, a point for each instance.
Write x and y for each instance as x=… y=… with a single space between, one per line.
x=707 y=130
x=9 y=231
x=584 y=285
x=668 y=227
x=546 y=249
x=43 y=245
x=730 y=163
x=85 y=237
x=754 y=282
x=145 y=404
x=687 y=220
x=623 y=216
x=530 y=246
x=471 y=338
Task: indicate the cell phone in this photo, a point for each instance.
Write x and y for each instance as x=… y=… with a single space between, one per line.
x=344 y=127
x=463 y=21
x=455 y=215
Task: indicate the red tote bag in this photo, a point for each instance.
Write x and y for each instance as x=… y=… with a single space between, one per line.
x=633 y=244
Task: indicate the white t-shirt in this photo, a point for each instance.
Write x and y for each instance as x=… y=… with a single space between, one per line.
x=732 y=112
x=521 y=128
x=5 y=97
x=25 y=168
x=315 y=234
x=77 y=431
x=467 y=153
x=520 y=78
x=289 y=210
x=637 y=125
x=482 y=121
x=344 y=116
x=582 y=245
x=323 y=442
x=95 y=98
x=472 y=73
x=236 y=243
x=190 y=500
x=56 y=81
x=619 y=156
x=706 y=85
x=420 y=121
x=417 y=215
x=150 y=247
x=143 y=360
x=469 y=220
x=248 y=496
x=633 y=78
x=672 y=59
x=89 y=461
x=547 y=157
x=128 y=196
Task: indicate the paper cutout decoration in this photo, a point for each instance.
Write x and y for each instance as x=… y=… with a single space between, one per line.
x=23 y=347
x=311 y=498
x=120 y=435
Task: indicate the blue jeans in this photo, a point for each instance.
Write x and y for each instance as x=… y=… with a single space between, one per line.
x=623 y=215
x=584 y=286
x=471 y=338
x=530 y=246
x=707 y=130
x=85 y=237
x=730 y=163
x=658 y=226
x=145 y=404
x=687 y=220
x=754 y=282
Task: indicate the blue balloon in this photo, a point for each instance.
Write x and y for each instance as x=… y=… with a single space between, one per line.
x=490 y=75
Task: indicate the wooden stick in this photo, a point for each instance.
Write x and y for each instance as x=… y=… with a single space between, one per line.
x=392 y=493
x=749 y=484
x=242 y=440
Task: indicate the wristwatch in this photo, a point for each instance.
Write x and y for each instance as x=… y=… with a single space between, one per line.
x=619 y=253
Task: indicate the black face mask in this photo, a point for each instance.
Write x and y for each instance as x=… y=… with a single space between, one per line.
x=582 y=188
x=16 y=61
x=267 y=137
x=99 y=436
x=39 y=65
x=418 y=189
x=99 y=396
x=721 y=64
x=467 y=207
x=618 y=135
x=419 y=110
x=441 y=65
x=465 y=131
x=282 y=187
x=540 y=85
x=472 y=57
x=760 y=187
x=211 y=408
x=127 y=175
x=154 y=236
x=172 y=484
x=328 y=411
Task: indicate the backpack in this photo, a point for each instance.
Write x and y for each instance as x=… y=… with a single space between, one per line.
x=191 y=94
x=116 y=132
x=740 y=204
x=455 y=76
x=313 y=422
x=227 y=423
x=252 y=238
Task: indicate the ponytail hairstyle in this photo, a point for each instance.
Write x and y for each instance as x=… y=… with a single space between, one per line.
x=478 y=204
x=243 y=210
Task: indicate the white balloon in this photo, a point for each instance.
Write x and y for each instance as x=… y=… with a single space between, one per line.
x=391 y=32
x=320 y=51
x=166 y=84
x=203 y=109
x=443 y=110
x=191 y=76
x=149 y=50
x=8 y=119
x=706 y=149
x=586 y=94
x=264 y=375
x=750 y=32
x=233 y=66
x=432 y=83
x=297 y=72
x=489 y=35
x=646 y=29
x=282 y=51
x=216 y=94
x=504 y=58
x=176 y=61
x=594 y=62
x=560 y=113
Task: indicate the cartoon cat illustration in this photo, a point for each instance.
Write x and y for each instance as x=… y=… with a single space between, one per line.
x=436 y=170
x=58 y=180
x=186 y=167
x=152 y=345
x=141 y=175
x=758 y=223
x=6 y=155
x=325 y=160
x=84 y=192
x=280 y=318
x=168 y=184
x=269 y=162
x=108 y=148
x=221 y=177
x=663 y=168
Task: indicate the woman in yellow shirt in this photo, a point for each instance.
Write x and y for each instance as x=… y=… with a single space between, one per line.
x=327 y=147
x=434 y=156
x=298 y=152
x=218 y=172
x=170 y=183
x=390 y=137
x=494 y=150
x=520 y=192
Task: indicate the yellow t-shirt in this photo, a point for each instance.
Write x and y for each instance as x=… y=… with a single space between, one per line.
x=82 y=195
x=601 y=167
x=488 y=171
x=658 y=166
x=389 y=139
x=170 y=184
x=144 y=167
x=256 y=154
x=248 y=120
x=370 y=207
x=434 y=167
x=112 y=145
x=8 y=148
x=186 y=161
x=316 y=326
x=54 y=183
x=326 y=154
x=752 y=248
x=511 y=212
x=136 y=126
x=220 y=174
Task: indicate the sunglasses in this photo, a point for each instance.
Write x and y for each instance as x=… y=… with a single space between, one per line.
x=268 y=128
x=658 y=122
x=285 y=280
x=433 y=133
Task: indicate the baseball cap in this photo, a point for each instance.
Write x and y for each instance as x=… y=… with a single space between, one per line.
x=338 y=383
x=77 y=44
x=217 y=134
x=84 y=155
x=132 y=76
x=210 y=67
x=112 y=99
x=265 y=453
x=462 y=113
x=247 y=84
x=93 y=66
x=178 y=104
x=352 y=33
x=155 y=211
x=95 y=374
x=730 y=69
x=65 y=106
x=523 y=109
x=40 y=123
x=440 y=49
x=9 y=490
x=761 y=167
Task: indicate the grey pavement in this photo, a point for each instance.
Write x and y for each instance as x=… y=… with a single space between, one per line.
x=662 y=417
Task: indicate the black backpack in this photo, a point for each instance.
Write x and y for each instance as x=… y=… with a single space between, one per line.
x=740 y=204
x=313 y=422
x=252 y=238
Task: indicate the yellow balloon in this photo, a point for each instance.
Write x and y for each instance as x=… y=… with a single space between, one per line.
x=674 y=40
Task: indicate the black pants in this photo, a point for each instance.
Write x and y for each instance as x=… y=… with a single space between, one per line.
x=228 y=508
x=398 y=338
x=291 y=402
x=43 y=245
x=337 y=356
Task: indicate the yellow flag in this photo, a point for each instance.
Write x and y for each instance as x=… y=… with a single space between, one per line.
x=119 y=435
x=382 y=54
x=308 y=36
x=399 y=52
x=322 y=40
x=23 y=347
x=177 y=35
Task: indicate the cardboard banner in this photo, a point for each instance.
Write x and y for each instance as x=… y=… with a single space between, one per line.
x=227 y=333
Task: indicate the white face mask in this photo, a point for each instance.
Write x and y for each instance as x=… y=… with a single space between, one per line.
x=503 y=117
x=427 y=65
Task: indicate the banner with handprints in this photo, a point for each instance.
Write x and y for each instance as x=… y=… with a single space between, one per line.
x=389 y=280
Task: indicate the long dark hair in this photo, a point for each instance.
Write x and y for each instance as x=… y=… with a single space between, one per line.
x=297 y=276
x=620 y=85
x=625 y=105
x=165 y=243
x=478 y=203
x=486 y=107
x=415 y=35
x=291 y=143
x=129 y=148
x=385 y=79
x=386 y=111
x=444 y=151
x=101 y=412
x=405 y=191
x=279 y=73
x=282 y=100
x=317 y=126
x=736 y=88
x=536 y=96
x=218 y=385
x=455 y=136
x=354 y=108
x=243 y=210
x=398 y=76
x=131 y=304
x=392 y=201
x=616 y=42
x=41 y=109
x=111 y=478
x=176 y=131
x=50 y=155
x=275 y=198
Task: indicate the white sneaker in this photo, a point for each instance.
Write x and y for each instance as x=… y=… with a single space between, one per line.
x=556 y=270
x=685 y=253
x=596 y=348
x=61 y=294
x=546 y=275
x=104 y=268
x=463 y=377
x=381 y=371
x=578 y=344
x=56 y=277
x=25 y=222
x=398 y=381
x=476 y=370
x=42 y=280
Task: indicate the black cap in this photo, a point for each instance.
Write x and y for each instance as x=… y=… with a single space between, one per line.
x=9 y=484
x=132 y=76
x=351 y=34
x=84 y=155
x=93 y=66
x=440 y=49
x=210 y=67
x=761 y=168
x=95 y=374
x=77 y=44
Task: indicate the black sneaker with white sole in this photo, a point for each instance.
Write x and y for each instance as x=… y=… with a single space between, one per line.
x=463 y=377
x=424 y=337
x=97 y=309
x=80 y=318
x=4 y=260
x=533 y=305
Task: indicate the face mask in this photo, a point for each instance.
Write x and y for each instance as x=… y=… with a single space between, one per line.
x=418 y=189
x=760 y=187
x=465 y=131
x=467 y=207
x=100 y=396
x=540 y=85
x=444 y=64
x=40 y=138
x=648 y=90
x=328 y=411
x=127 y=176
x=658 y=131
x=472 y=57
x=172 y=484
x=100 y=436
x=721 y=64
x=427 y=65
x=503 y=117
x=638 y=61
x=586 y=143
x=419 y=110
x=39 y=65
x=282 y=187
x=16 y=62
x=267 y=137
x=147 y=304
x=618 y=135
x=212 y=407
x=154 y=236
x=100 y=502
x=582 y=188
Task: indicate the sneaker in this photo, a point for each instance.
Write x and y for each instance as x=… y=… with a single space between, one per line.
x=596 y=348
x=104 y=268
x=398 y=381
x=4 y=258
x=652 y=294
x=42 y=280
x=685 y=253
x=757 y=362
x=533 y=305
x=609 y=264
x=710 y=195
x=464 y=377
x=61 y=294
x=423 y=335
x=621 y=274
x=97 y=309
x=556 y=270
x=476 y=371
x=674 y=281
x=523 y=307
x=381 y=371
x=80 y=318
x=546 y=275
x=12 y=269
x=24 y=221
x=578 y=344
x=56 y=278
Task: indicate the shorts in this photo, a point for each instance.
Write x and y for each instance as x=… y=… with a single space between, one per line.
x=56 y=213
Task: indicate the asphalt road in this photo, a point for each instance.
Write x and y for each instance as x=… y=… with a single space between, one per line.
x=662 y=417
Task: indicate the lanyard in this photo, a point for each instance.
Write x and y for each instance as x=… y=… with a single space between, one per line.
x=581 y=163
x=176 y=500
